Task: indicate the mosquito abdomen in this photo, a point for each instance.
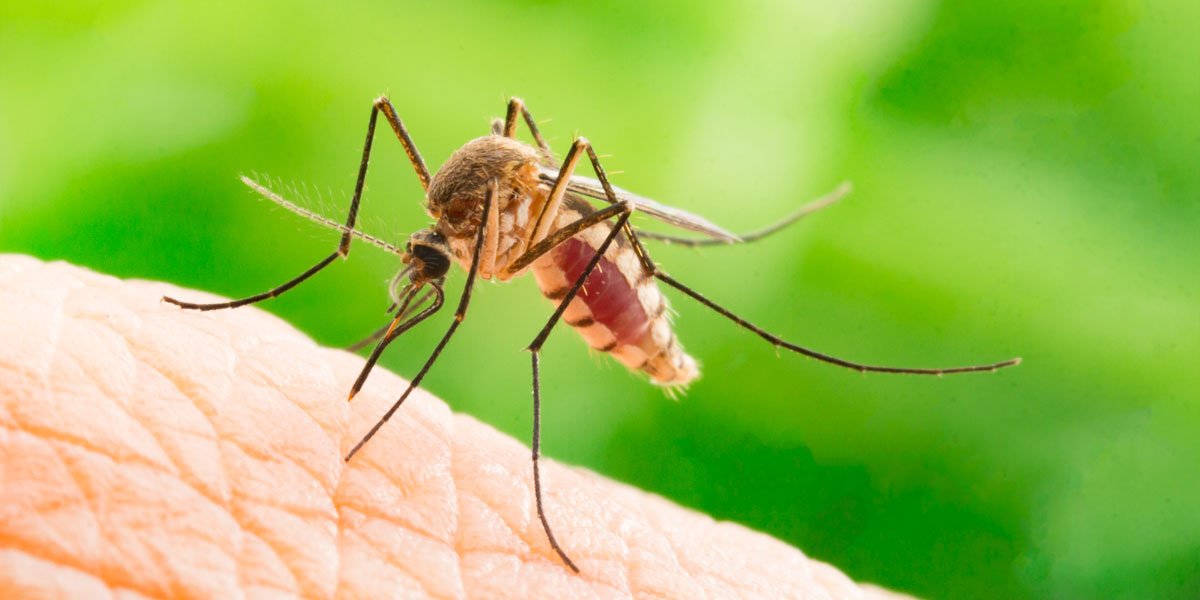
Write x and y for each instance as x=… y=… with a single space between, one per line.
x=618 y=310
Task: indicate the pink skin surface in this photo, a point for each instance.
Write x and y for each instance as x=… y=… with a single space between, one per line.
x=147 y=451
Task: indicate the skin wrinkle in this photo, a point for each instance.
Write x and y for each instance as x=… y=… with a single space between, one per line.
x=18 y=565
x=231 y=489
x=456 y=511
x=58 y=438
x=246 y=523
x=489 y=472
x=266 y=379
x=358 y=535
x=527 y=530
x=331 y=515
x=363 y=506
x=243 y=529
x=399 y=558
x=247 y=530
x=57 y=449
x=174 y=461
x=399 y=523
x=219 y=443
x=399 y=495
x=439 y=504
x=48 y=553
x=107 y=573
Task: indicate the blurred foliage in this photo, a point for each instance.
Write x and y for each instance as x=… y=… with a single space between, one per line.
x=1026 y=184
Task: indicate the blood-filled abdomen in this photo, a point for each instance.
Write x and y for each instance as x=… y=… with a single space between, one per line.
x=618 y=309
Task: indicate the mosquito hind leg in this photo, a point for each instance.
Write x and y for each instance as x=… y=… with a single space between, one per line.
x=651 y=269
x=535 y=349
x=382 y=104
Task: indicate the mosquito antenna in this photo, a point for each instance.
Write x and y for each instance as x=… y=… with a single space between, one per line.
x=833 y=360
x=837 y=194
x=266 y=192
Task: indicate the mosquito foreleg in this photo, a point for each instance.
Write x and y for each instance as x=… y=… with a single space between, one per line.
x=343 y=248
x=459 y=315
x=410 y=149
x=392 y=331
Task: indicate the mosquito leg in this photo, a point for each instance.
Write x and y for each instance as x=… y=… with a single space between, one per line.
x=535 y=348
x=393 y=331
x=271 y=293
x=491 y=242
x=638 y=248
x=459 y=314
x=516 y=107
x=371 y=338
x=782 y=343
x=389 y=112
x=808 y=209
x=567 y=232
x=379 y=333
x=343 y=249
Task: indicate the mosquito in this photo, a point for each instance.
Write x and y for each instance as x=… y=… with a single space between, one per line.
x=504 y=208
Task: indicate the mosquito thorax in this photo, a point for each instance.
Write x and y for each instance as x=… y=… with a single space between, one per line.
x=457 y=192
x=428 y=255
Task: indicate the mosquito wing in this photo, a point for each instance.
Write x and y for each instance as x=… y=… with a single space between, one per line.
x=586 y=186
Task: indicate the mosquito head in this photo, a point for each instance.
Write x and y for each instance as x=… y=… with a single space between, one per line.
x=427 y=256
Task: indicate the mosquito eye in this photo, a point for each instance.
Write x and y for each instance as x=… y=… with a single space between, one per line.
x=435 y=262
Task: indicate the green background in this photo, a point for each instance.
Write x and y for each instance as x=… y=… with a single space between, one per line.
x=1026 y=183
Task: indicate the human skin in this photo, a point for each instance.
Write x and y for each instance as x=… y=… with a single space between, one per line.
x=148 y=451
